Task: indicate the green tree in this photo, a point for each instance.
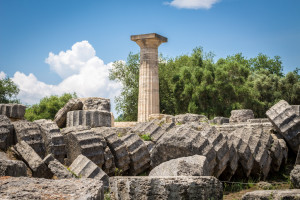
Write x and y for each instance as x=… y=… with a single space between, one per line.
x=47 y=107
x=8 y=91
x=128 y=75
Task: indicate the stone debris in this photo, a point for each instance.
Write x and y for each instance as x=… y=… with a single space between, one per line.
x=34 y=188
x=185 y=166
x=54 y=140
x=31 y=133
x=85 y=168
x=272 y=194
x=287 y=123
x=61 y=116
x=87 y=143
x=9 y=167
x=96 y=103
x=219 y=120
x=183 y=141
x=238 y=116
x=116 y=146
x=67 y=130
x=258 y=120
x=14 y=111
x=58 y=169
x=164 y=187
x=188 y=117
x=295 y=176
x=33 y=160
x=138 y=153
x=6 y=133
x=92 y=118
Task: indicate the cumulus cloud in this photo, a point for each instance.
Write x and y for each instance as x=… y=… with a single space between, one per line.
x=193 y=4
x=2 y=75
x=82 y=72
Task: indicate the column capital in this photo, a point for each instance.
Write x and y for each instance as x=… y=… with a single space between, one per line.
x=150 y=40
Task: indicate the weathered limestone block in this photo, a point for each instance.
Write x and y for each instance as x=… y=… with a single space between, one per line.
x=109 y=162
x=31 y=133
x=272 y=194
x=84 y=167
x=57 y=168
x=6 y=133
x=183 y=141
x=86 y=143
x=96 y=103
x=61 y=116
x=243 y=115
x=67 y=130
x=186 y=166
x=219 y=120
x=116 y=146
x=54 y=140
x=138 y=153
x=15 y=111
x=35 y=188
x=33 y=160
x=220 y=145
x=296 y=109
x=150 y=145
x=287 y=123
x=14 y=168
x=188 y=117
x=279 y=152
x=180 y=187
x=92 y=118
x=295 y=176
x=258 y=120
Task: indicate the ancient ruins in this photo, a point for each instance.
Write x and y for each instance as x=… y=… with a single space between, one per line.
x=82 y=155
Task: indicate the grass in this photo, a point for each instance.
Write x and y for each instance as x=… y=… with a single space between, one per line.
x=146 y=137
x=74 y=175
x=118 y=172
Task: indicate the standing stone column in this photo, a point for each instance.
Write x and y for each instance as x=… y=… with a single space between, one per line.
x=148 y=81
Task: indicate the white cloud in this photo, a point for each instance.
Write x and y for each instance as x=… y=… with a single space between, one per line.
x=83 y=73
x=2 y=75
x=193 y=4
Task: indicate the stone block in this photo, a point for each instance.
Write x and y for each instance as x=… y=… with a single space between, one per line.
x=287 y=123
x=116 y=146
x=86 y=143
x=295 y=176
x=57 y=169
x=138 y=153
x=188 y=117
x=92 y=118
x=61 y=116
x=296 y=109
x=36 y=188
x=219 y=120
x=31 y=133
x=243 y=115
x=109 y=162
x=54 y=140
x=186 y=166
x=33 y=160
x=96 y=103
x=85 y=168
x=172 y=187
x=15 y=111
x=6 y=133
x=14 y=168
x=272 y=194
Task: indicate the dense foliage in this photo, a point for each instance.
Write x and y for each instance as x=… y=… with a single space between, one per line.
x=196 y=84
x=8 y=91
x=48 y=107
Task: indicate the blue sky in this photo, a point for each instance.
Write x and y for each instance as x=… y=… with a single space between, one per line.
x=31 y=29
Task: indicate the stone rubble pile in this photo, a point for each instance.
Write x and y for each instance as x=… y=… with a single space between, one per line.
x=179 y=150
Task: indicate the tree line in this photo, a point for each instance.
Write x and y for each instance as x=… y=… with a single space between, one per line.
x=196 y=84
